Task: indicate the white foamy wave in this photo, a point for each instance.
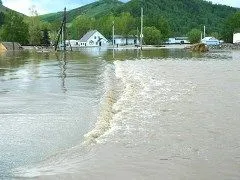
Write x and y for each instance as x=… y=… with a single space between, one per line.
x=147 y=91
x=111 y=93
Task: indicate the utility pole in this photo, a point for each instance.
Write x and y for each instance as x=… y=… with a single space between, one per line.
x=141 y=35
x=62 y=32
x=113 y=34
x=64 y=28
x=204 y=31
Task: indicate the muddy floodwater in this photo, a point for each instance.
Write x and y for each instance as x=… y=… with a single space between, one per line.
x=102 y=114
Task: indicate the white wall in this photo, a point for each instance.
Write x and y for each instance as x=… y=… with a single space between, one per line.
x=236 y=38
x=122 y=41
x=94 y=40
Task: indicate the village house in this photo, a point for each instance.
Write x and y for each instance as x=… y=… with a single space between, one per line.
x=122 y=41
x=90 y=39
x=93 y=39
x=236 y=38
x=210 y=41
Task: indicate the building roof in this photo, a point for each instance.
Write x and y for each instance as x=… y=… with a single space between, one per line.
x=87 y=35
x=120 y=36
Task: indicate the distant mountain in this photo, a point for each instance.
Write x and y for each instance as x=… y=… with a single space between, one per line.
x=5 y=9
x=95 y=9
x=182 y=15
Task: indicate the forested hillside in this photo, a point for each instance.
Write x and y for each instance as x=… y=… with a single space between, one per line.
x=96 y=9
x=182 y=15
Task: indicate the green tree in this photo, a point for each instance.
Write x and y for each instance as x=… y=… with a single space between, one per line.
x=194 y=36
x=14 y=28
x=161 y=24
x=81 y=25
x=152 y=36
x=124 y=24
x=34 y=25
x=105 y=24
x=231 y=25
x=45 y=40
x=2 y=17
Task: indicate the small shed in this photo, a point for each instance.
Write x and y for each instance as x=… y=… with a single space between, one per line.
x=129 y=40
x=10 y=46
x=236 y=38
x=72 y=43
x=210 y=41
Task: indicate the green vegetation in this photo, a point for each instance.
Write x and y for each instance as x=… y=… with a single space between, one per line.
x=14 y=28
x=194 y=36
x=152 y=35
x=170 y=17
x=231 y=25
x=96 y=9
x=182 y=15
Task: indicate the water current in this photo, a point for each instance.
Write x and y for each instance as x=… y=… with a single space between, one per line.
x=156 y=114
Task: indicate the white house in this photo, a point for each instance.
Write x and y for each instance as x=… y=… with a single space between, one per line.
x=93 y=39
x=122 y=41
x=178 y=40
x=236 y=38
x=210 y=41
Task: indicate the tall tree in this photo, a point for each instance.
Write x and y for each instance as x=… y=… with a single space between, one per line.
x=194 y=36
x=14 y=28
x=45 y=40
x=81 y=25
x=34 y=27
x=124 y=24
x=152 y=35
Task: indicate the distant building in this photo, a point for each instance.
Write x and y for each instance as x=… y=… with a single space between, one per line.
x=211 y=41
x=122 y=40
x=178 y=40
x=93 y=39
x=236 y=38
x=73 y=43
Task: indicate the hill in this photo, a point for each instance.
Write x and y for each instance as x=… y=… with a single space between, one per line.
x=4 y=9
x=96 y=9
x=182 y=15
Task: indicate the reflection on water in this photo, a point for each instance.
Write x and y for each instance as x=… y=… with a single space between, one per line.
x=63 y=66
x=49 y=101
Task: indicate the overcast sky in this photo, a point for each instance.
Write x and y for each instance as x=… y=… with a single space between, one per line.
x=47 y=6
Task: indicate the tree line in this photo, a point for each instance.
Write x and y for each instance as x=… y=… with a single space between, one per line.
x=32 y=31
